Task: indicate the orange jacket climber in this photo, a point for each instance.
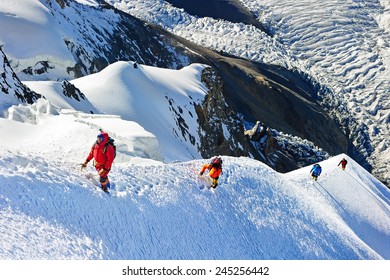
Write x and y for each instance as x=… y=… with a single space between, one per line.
x=215 y=168
x=214 y=171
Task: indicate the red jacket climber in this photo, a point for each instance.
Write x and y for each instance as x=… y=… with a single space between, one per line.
x=343 y=163
x=103 y=154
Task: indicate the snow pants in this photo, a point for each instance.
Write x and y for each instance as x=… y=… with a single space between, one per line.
x=104 y=182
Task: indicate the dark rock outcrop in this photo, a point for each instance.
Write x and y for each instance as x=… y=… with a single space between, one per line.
x=11 y=85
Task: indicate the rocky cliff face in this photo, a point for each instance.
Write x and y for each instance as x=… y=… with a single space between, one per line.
x=242 y=92
x=221 y=131
x=12 y=90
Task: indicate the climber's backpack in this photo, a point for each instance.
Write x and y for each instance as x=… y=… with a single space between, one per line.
x=216 y=162
x=110 y=142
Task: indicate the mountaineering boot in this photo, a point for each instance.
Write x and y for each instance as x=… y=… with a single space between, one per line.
x=105 y=188
x=105 y=184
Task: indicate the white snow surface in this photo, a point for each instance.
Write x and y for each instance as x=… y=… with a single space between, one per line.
x=343 y=45
x=31 y=34
x=53 y=210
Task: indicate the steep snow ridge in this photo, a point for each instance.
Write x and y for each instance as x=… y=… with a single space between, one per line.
x=62 y=39
x=166 y=211
x=351 y=57
x=33 y=21
x=158 y=99
x=347 y=191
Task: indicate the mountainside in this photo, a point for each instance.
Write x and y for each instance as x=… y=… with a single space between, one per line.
x=68 y=39
x=306 y=114
x=52 y=210
x=166 y=124
x=238 y=92
x=229 y=10
x=345 y=55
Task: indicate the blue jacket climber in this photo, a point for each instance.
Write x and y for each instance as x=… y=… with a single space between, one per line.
x=315 y=171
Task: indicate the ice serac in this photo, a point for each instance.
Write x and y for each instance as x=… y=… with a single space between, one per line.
x=131 y=139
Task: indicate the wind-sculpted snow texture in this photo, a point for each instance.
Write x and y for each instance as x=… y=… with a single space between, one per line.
x=343 y=45
x=163 y=211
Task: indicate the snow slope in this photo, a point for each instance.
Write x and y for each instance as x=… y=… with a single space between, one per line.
x=37 y=29
x=157 y=99
x=52 y=210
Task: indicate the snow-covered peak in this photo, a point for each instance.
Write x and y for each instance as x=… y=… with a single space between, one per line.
x=160 y=100
x=57 y=40
x=51 y=209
